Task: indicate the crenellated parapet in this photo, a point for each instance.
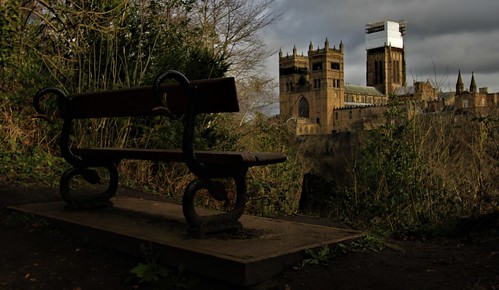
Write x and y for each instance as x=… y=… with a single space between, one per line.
x=311 y=51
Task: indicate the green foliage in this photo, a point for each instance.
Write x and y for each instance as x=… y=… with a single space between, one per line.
x=151 y=271
x=320 y=257
x=17 y=219
x=9 y=17
x=326 y=254
x=367 y=243
x=154 y=274
x=275 y=189
x=388 y=170
x=34 y=167
x=421 y=174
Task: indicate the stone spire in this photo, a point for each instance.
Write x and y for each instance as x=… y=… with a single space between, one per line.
x=294 y=51
x=326 y=44
x=473 y=84
x=459 y=84
x=310 y=46
x=341 y=45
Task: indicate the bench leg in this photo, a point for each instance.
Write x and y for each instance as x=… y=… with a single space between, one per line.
x=91 y=176
x=199 y=225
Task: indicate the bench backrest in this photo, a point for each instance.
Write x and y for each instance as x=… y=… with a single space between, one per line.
x=209 y=96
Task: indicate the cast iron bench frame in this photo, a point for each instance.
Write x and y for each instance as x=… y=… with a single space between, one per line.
x=180 y=98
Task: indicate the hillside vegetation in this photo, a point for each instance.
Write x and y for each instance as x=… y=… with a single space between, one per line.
x=421 y=174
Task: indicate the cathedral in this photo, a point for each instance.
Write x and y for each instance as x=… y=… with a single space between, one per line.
x=312 y=89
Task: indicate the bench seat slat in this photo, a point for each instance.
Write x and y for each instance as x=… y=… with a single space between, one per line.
x=210 y=96
x=207 y=157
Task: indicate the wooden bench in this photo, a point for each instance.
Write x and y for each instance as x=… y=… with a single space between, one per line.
x=179 y=98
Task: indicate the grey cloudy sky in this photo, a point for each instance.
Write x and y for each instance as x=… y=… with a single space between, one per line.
x=442 y=36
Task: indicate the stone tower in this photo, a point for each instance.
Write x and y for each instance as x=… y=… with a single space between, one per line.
x=386 y=55
x=311 y=87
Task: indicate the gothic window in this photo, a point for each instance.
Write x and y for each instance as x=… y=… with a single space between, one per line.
x=303 y=108
x=317 y=66
x=378 y=72
x=336 y=83
x=396 y=71
x=381 y=72
x=350 y=115
x=335 y=65
x=302 y=81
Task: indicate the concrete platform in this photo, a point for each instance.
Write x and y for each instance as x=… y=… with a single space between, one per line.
x=262 y=250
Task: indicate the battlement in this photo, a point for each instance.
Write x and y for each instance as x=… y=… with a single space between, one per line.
x=311 y=52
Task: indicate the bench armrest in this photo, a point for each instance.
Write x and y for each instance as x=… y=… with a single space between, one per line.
x=61 y=98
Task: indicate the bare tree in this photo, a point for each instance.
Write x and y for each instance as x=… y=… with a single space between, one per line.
x=256 y=94
x=231 y=29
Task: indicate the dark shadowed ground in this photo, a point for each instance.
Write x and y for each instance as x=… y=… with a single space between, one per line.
x=37 y=255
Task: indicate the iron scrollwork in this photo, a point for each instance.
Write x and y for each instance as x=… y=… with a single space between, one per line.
x=205 y=175
x=81 y=167
x=218 y=222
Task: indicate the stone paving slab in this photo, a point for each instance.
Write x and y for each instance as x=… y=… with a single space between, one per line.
x=262 y=250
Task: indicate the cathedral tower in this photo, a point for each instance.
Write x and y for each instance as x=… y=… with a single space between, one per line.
x=311 y=86
x=386 y=55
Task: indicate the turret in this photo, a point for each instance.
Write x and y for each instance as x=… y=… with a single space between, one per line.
x=459 y=84
x=473 y=84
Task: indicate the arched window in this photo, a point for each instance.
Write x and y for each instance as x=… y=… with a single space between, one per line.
x=303 y=108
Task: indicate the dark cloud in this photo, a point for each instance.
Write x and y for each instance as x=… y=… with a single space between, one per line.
x=443 y=36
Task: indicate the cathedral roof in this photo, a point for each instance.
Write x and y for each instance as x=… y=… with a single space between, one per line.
x=404 y=91
x=362 y=90
x=446 y=95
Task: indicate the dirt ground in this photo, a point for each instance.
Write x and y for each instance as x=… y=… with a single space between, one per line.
x=37 y=255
